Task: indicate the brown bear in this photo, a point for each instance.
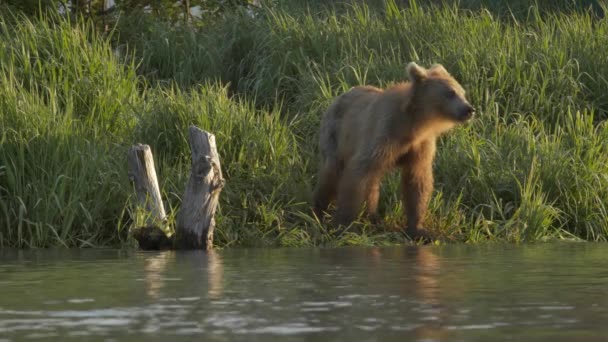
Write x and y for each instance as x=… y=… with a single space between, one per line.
x=368 y=131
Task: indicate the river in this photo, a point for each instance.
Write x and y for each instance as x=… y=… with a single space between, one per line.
x=489 y=292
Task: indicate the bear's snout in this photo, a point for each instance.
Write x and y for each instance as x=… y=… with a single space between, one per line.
x=467 y=112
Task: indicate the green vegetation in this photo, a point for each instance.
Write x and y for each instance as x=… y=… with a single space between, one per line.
x=532 y=166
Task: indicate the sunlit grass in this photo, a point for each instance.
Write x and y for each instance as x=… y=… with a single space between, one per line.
x=532 y=166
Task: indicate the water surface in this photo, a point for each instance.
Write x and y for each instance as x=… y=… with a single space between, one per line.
x=547 y=292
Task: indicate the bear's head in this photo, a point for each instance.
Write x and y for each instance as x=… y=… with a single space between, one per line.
x=438 y=95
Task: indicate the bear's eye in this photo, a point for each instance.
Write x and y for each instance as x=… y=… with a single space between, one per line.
x=450 y=94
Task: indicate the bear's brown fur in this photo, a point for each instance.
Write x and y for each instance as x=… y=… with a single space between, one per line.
x=368 y=131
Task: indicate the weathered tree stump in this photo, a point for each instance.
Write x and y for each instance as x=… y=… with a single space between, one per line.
x=195 y=221
x=143 y=175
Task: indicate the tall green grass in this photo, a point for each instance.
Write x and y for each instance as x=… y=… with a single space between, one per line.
x=64 y=101
x=69 y=111
x=532 y=166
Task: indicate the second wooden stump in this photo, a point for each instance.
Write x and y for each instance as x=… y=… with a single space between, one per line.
x=195 y=221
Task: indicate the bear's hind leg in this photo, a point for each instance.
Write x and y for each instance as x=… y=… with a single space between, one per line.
x=325 y=191
x=373 y=196
x=354 y=189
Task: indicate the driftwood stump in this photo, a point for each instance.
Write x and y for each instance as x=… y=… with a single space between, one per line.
x=142 y=174
x=195 y=221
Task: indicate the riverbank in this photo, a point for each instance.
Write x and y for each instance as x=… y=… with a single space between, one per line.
x=532 y=166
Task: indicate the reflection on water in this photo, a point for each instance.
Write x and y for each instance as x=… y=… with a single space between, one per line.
x=154 y=268
x=427 y=270
x=215 y=274
x=209 y=265
x=552 y=292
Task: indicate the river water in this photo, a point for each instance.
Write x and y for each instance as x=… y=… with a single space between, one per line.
x=544 y=292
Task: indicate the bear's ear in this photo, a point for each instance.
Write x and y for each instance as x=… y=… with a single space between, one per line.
x=415 y=72
x=438 y=68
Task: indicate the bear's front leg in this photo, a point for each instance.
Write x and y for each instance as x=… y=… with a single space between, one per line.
x=417 y=187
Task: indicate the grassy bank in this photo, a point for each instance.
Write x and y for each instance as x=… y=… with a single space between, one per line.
x=532 y=166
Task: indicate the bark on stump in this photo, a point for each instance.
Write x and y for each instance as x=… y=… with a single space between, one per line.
x=195 y=221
